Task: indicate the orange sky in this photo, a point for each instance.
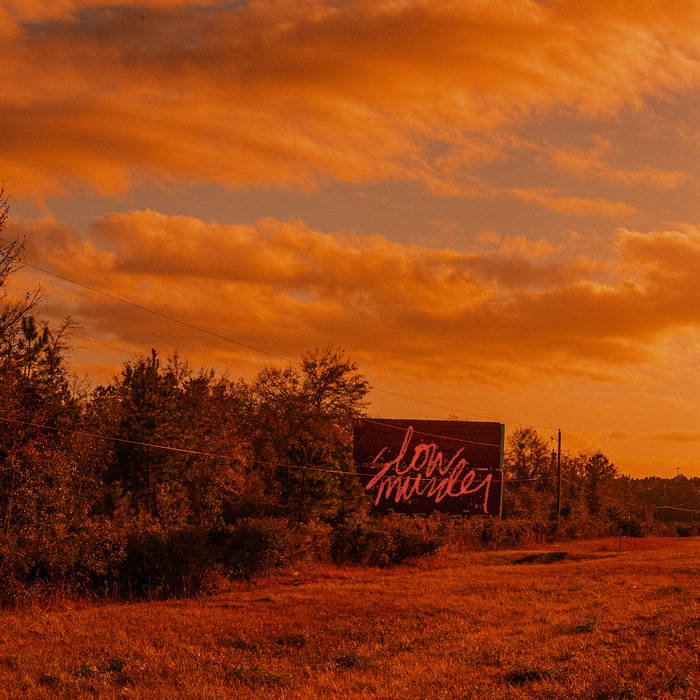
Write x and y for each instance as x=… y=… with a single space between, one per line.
x=493 y=206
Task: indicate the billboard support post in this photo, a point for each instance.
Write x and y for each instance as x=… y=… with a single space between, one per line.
x=503 y=475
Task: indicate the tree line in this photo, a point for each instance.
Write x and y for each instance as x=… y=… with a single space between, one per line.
x=259 y=473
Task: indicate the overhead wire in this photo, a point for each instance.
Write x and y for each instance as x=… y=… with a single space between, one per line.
x=435 y=435
x=382 y=423
x=149 y=310
x=228 y=339
x=220 y=336
x=228 y=457
x=99 y=342
x=171 y=448
x=248 y=346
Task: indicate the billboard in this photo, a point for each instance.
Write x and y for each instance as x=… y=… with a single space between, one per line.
x=420 y=466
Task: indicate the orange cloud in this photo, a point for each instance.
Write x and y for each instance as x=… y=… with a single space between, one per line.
x=673 y=436
x=579 y=206
x=283 y=286
x=678 y=436
x=519 y=245
x=287 y=93
x=591 y=163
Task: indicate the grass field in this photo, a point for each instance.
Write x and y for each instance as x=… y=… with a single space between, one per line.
x=592 y=624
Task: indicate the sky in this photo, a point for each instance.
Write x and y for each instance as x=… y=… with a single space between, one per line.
x=492 y=206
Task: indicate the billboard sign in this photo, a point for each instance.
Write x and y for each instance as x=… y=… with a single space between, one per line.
x=421 y=466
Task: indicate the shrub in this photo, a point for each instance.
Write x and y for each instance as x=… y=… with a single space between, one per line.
x=253 y=546
x=13 y=569
x=414 y=537
x=631 y=527
x=312 y=540
x=687 y=530
x=36 y=562
x=494 y=533
x=348 y=538
x=386 y=540
x=12 y=590
x=160 y=563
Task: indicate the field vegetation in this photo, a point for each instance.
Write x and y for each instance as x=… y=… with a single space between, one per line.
x=581 y=620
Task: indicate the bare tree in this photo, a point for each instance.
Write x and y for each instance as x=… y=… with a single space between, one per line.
x=12 y=309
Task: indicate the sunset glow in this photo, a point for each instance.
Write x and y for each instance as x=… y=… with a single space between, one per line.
x=493 y=207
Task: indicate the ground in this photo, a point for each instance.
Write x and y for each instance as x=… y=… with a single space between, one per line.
x=594 y=623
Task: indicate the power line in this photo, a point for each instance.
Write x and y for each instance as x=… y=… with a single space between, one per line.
x=182 y=450
x=366 y=420
x=435 y=435
x=653 y=507
x=228 y=339
x=685 y=510
x=99 y=342
x=168 y=317
x=215 y=455
x=447 y=408
x=158 y=446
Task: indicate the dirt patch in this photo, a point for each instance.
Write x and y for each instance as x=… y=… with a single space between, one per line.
x=552 y=557
x=542 y=558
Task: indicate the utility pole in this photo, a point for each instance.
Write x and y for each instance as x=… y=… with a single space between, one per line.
x=559 y=474
x=665 y=501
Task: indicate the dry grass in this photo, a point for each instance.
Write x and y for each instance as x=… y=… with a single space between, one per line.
x=593 y=624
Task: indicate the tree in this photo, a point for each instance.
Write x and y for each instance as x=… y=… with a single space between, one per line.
x=527 y=456
x=12 y=310
x=321 y=398
x=176 y=408
x=46 y=490
x=528 y=471
x=34 y=385
x=599 y=472
x=302 y=418
x=332 y=386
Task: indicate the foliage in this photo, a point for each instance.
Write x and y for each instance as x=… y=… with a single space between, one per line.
x=528 y=457
x=163 y=562
x=253 y=547
x=151 y=484
x=151 y=405
x=589 y=626
x=387 y=540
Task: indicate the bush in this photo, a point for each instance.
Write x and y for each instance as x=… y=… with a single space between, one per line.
x=253 y=546
x=386 y=540
x=160 y=563
x=414 y=537
x=631 y=527
x=13 y=589
x=38 y=562
x=312 y=540
x=493 y=533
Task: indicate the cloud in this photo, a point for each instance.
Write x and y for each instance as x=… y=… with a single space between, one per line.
x=678 y=436
x=580 y=206
x=493 y=315
x=288 y=93
x=591 y=163
x=518 y=245
x=673 y=436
